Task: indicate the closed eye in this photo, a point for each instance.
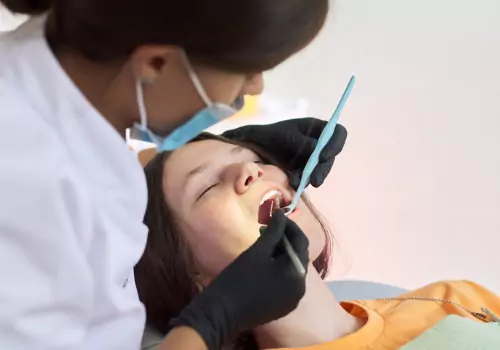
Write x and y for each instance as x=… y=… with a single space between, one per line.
x=206 y=191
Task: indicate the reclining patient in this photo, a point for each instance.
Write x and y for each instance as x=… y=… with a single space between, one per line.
x=207 y=202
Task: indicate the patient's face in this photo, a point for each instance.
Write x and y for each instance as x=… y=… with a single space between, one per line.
x=215 y=190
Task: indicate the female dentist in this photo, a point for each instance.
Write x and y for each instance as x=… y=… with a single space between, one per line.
x=73 y=79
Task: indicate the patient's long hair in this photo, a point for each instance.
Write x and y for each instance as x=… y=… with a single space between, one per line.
x=165 y=275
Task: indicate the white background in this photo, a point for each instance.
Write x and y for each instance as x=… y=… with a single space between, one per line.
x=415 y=196
x=8 y=20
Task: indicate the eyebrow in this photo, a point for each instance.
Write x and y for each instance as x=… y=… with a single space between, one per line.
x=236 y=150
x=203 y=167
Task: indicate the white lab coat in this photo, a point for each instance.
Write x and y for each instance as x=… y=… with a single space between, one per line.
x=72 y=200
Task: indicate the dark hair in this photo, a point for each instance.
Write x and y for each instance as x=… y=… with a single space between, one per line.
x=165 y=274
x=240 y=36
x=28 y=7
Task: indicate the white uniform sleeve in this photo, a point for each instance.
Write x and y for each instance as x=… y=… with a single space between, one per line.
x=46 y=283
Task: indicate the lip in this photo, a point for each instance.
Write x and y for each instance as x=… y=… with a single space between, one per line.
x=287 y=198
x=286 y=195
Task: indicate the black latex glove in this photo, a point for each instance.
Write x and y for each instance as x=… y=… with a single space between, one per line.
x=260 y=286
x=291 y=142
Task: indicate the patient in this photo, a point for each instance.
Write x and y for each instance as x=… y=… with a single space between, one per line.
x=206 y=204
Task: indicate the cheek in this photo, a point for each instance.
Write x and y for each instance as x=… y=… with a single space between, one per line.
x=274 y=173
x=313 y=230
x=218 y=232
x=222 y=87
x=171 y=102
x=254 y=85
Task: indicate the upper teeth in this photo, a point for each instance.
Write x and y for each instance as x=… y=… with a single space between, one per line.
x=271 y=194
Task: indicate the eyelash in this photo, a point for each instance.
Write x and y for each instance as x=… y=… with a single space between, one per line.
x=206 y=190
x=212 y=186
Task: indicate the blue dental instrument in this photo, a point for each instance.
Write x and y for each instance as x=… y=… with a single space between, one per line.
x=313 y=161
x=325 y=136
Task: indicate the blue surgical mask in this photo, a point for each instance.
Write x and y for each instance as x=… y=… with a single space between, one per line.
x=210 y=115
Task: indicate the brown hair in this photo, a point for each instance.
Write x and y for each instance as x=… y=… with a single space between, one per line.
x=165 y=274
x=239 y=36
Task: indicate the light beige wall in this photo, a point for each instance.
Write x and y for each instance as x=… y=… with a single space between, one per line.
x=9 y=21
x=415 y=197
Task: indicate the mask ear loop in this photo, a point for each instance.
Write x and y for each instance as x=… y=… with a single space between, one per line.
x=142 y=109
x=195 y=80
x=140 y=104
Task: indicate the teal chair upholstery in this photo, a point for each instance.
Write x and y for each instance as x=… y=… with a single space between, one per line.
x=363 y=290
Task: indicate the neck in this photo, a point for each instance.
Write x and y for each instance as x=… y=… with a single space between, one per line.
x=98 y=83
x=318 y=318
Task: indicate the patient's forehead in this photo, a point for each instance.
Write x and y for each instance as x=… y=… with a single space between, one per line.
x=188 y=158
x=196 y=153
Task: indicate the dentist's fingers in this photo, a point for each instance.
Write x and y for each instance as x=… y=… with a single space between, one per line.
x=335 y=145
x=271 y=237
x=298 y=240
x=327 y=156
x=294 y=178
x=320 y=173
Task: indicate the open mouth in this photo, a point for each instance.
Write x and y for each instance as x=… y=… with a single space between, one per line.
x=272 y=201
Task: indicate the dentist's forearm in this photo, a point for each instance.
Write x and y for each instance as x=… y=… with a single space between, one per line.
x=183 y=338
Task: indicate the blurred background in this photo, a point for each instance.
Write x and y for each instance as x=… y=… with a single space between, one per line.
x=415 y=196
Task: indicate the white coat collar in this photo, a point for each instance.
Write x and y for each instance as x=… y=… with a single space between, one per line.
x=92 y=142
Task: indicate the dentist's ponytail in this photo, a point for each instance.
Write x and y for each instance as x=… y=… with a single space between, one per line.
x=27 y=7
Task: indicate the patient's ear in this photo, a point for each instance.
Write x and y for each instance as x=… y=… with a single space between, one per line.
x=146 y=155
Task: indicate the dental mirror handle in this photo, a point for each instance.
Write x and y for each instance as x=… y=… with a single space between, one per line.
x=297 y=264
x=325 y=136
x=301 y=270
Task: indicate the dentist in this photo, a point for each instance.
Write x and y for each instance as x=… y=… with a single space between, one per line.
x=73 y=79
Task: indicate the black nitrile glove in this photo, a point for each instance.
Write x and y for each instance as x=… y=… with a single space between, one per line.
x=291 y=142
x=260 y=286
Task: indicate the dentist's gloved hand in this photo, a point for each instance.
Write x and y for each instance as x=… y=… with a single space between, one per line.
x=260 y=286
x=291 y=143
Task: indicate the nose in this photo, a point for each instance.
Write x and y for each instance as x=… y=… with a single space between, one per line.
x=246 y=174
x=254 y=85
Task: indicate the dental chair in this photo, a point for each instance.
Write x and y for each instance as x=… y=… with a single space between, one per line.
x=343 y=290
